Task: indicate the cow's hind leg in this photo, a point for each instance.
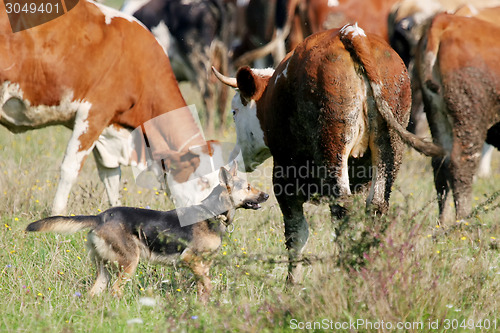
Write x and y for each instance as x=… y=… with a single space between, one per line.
x=296 y=235
x=386 y=152
x=436 y=112
x=110 y=177
x=296 y=229
x=464 y=161
x=442 y=176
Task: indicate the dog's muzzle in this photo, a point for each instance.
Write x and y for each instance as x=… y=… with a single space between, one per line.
x=255 y=204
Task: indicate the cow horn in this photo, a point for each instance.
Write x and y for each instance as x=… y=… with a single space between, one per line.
x=230 y=81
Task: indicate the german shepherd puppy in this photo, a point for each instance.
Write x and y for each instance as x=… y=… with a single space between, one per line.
x=122 y=235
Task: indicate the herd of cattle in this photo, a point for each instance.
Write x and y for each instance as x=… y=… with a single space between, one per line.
x=341 y=98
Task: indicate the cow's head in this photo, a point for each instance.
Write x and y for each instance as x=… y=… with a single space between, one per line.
x=251 y=85
x=407 y=23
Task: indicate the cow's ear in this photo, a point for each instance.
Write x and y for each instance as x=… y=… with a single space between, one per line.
x=246 y=82
x=251 y=85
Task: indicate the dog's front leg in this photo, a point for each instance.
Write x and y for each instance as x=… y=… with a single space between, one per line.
x=204 y=284
x=228 y=218
x=200 y=268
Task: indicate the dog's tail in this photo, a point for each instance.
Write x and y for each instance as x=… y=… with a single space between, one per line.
x=64 y=224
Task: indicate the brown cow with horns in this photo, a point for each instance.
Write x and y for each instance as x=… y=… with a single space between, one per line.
x=334 y=106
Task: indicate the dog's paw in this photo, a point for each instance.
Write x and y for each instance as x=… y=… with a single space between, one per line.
x=222 y=218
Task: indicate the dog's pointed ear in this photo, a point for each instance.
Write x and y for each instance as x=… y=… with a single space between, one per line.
x=234 y=169
x=225 y=178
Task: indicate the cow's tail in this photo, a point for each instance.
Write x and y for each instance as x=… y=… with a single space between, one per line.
x=427 y=53
x=355 y=41
x=64 y=224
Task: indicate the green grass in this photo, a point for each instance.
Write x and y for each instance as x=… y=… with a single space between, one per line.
x=113 y=3
x=418 y=273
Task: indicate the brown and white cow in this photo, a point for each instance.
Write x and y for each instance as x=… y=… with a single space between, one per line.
x=408 y=21
x=329 y=115
x=102 y=74
x=458 y=70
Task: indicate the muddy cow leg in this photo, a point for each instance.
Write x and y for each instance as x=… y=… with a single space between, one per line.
x=296 y=227
x=464 y=161
x=442 y=179
x=441 y=129
x=387 y=152
x=338 y=187
x=442 y=176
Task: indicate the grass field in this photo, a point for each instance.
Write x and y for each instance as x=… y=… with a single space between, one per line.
x=421 y=275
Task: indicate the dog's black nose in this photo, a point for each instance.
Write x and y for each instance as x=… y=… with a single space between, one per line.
x=265 y=196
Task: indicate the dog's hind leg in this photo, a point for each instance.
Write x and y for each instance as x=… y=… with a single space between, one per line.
x=103 y=275
x=102 y=279
x=110 y=244
x=126 y=269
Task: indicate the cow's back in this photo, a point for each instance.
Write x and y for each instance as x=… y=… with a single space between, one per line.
x=326 y=91
x=457 y=65
x=463 y=67
x=91 y=54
